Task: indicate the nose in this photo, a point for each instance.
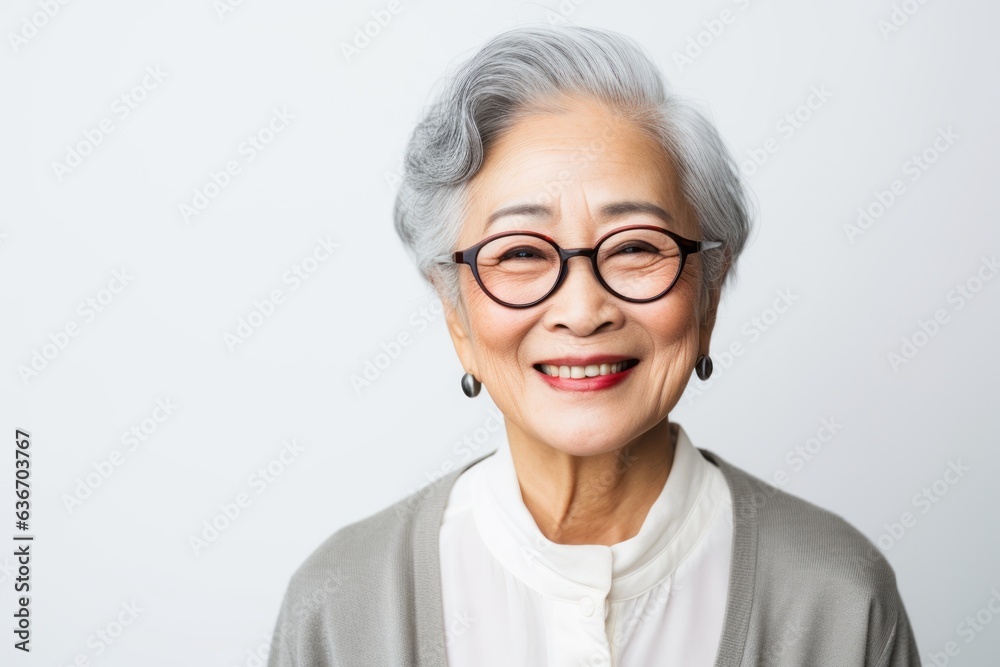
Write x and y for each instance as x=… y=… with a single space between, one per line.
x=580 y=303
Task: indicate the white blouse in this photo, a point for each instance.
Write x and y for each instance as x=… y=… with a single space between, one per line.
x=513 y=597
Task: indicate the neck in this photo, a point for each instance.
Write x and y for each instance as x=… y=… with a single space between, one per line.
x=597 y=499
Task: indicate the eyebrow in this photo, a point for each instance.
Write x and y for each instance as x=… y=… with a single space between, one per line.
x=607 y=212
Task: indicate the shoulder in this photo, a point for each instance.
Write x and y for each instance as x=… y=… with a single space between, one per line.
x=325 y=593
x=802 y=538
x=815 y=577
x=366 y=550
x=357 y=587
x=372 y=546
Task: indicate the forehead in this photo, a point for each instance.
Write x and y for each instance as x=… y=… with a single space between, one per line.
x=574 y=162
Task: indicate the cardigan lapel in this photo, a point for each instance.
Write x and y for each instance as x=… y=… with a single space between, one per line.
x=428 y=609
x=429 y=631
x=430 y=649
x=743 y=568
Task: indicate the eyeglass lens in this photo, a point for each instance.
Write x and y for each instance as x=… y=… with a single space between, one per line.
x=635 y=263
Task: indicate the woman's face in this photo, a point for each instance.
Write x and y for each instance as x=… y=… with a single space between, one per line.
x=575 y=164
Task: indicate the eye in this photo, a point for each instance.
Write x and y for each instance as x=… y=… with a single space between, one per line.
x=520 y=253
x=634 y=248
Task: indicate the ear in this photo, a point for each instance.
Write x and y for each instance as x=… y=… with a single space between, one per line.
x=708 y=321
x=710 y=309
x=461 y=335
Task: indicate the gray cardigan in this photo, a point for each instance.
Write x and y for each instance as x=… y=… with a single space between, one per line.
x=805 y=588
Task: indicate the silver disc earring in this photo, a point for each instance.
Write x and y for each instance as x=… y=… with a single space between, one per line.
x=470 y=385
x=703 y=367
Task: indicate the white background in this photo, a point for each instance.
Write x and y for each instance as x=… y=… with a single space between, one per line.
x=330 y=174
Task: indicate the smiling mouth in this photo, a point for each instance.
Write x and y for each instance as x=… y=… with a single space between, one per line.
x=593 y=370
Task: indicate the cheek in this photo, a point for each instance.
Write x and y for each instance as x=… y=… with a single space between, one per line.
x=675 y=321
x=496 y=330
x=485 y=313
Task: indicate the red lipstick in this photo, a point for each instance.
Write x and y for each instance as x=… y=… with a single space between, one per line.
x=587 y=383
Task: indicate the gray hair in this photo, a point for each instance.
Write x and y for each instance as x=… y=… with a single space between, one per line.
x=522 y=70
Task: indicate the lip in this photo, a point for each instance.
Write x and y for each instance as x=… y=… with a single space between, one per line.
x=595 y=383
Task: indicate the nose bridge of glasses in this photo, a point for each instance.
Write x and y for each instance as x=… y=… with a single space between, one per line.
x=569 y=253
x=587 y=253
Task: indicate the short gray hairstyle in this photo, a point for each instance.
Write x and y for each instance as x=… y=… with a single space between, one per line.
x=521 y=71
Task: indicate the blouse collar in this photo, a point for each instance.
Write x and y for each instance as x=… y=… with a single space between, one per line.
x=676 y=521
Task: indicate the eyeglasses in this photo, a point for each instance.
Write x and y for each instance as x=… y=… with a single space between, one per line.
x=520 y=269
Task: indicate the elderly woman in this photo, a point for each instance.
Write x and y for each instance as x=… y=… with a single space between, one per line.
x=579 y=222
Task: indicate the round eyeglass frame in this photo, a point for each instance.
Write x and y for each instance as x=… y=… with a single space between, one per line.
x=471 y=254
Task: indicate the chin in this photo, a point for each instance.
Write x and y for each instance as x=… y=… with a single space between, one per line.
x=584 y=440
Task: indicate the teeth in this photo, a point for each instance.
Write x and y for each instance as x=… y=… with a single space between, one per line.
x=590 y=371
